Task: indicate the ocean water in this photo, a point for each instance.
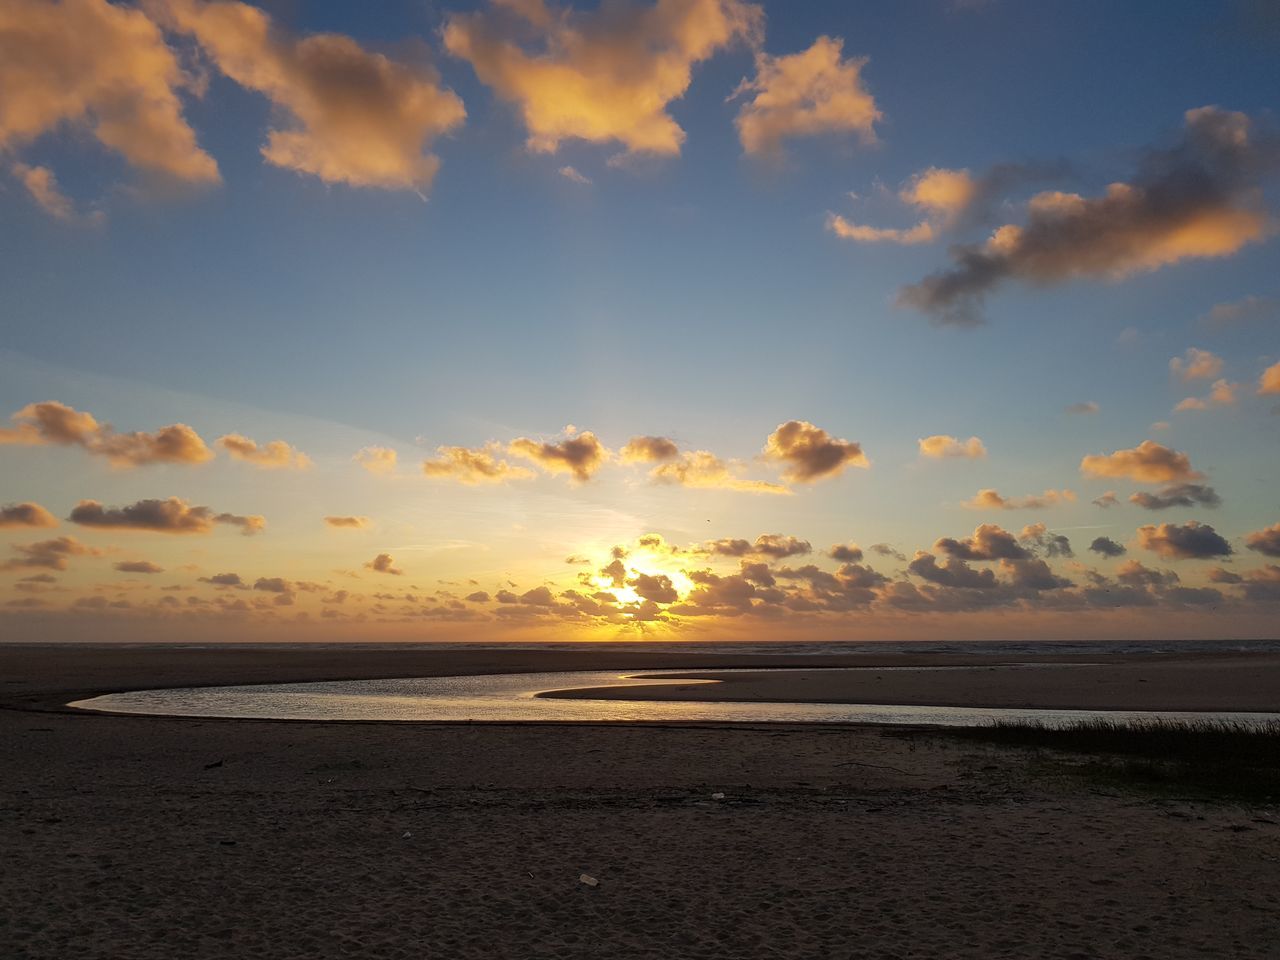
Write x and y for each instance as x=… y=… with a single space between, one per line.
x=515 y=698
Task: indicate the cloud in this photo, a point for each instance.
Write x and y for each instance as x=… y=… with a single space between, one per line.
x=810 y=453
x=1196 y=364
x=989 y=499
x=1245 y=310
x=885 y=550
x=276 y=455
x=1200 y=198
x=1189 y=541
x=954 y=573
x=774 y=545
x=99 y=68
x=173 y=515
x=573 y=174
x=383 y=563
x=649 y=450
x=473 y=466
x=701 y=469
x=1052 y=544
x=377 y=459
x=1265 y=541
x=943 y=196
x=1108 y=499
x=1222 y=394
x=605 y=75
x=1177 y=495
x=224 y=580
x=1107 y=547
x=347 y=115
x=138 y=566
x=989 y=542
x=845 y=552
x=941 y=445
x=347 y=523
x=26 y=514
x=815 y=91
x=1148 y=462
x=580 y=455
x=50 y=422
x=1088 y=406
x=48 y=554
x=1269 y=382
x=42 y=184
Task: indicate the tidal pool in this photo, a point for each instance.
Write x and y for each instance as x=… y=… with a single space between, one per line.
x=515 y=698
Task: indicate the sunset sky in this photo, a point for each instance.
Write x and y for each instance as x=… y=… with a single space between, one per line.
x=695 y=319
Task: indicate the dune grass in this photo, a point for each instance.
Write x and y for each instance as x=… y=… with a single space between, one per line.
x=1212 y=759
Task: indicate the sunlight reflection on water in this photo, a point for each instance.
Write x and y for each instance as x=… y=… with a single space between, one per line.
x=512 y=698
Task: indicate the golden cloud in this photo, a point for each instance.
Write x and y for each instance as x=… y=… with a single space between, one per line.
x=26 y=514
x=815 y=91
x=1148 y=462
x=355 y=117
x=347 y=523
x=989 y=499
x=701 y=469
x=1200 y=198
x=1269 y=382
x=943 y=196
x=173 y=515
x=810 y=453
x=581 y=454
x=275 y=455
x=473 y=466
x=377 y=459
x=649 y=450
x=384 y=563
x=1196 y=364
x=604 y=75
x=98 y=67
x=50 y=422
x=942 y=446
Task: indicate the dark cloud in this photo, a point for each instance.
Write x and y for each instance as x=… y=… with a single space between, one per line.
x=1189 y=541
x=1107 y=547
x=1198 y=198
x=1046 y=541
x=383 y=563
x=988 y=542
x=173 y=515
x=581 y=455
x=954 y=573
x=50 y=422
x=810 y=453
x=49 y=554
x=656 y=588
x=847 y=552
x=1177 y=495
x=138 y=566
x=224 y=580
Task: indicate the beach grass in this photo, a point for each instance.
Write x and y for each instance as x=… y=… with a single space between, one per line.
x=1208 y=759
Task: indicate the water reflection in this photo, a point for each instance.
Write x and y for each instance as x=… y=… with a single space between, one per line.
x=512 y=698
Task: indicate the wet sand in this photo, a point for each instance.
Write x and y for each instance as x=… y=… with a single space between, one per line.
x=137 y=837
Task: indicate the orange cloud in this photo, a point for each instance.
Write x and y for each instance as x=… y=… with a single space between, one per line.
x=1199 y=199
x=1148 y=462
x=377 y=459
x=276 y=455
x=604 y=75
x=943 y=196
x=1266 y=541
x=1222 y=394
x=51 y=422
x=353 y=116
x=42 y=185
x=810 y=453
x=384 y=563
x=701 y=469
x=1269 y=382
x=815 y=91
x=990 y=499
x=26 y=515
x=347 y=523
x=580 y=454
x=1196 y=364
x=173 y=515
x=101 y=68
x=941 y=446
x=473 y=466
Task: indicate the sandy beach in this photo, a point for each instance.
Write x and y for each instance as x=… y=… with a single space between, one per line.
x=138 y=837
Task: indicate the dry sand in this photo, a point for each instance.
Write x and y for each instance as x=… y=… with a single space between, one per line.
x=135 y=837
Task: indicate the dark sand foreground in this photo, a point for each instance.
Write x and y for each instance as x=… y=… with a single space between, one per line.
x=137 y=837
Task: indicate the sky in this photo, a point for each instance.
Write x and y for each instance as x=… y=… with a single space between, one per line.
x=646 y=319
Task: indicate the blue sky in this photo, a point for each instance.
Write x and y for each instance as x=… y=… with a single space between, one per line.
x=698 y=296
